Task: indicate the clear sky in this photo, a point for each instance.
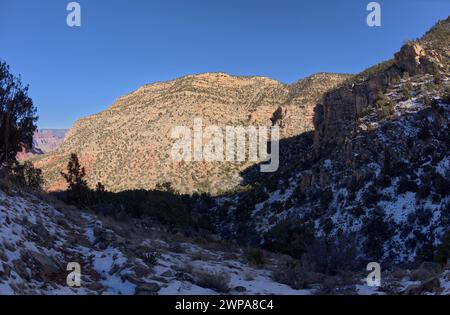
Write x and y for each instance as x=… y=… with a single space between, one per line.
x=123 y=44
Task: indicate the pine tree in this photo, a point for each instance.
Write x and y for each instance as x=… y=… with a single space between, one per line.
x=75 y=178
x=33 y=176
x=28 y=175
x=17 y=117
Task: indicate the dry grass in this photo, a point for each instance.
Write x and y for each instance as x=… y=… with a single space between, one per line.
x=217 y=281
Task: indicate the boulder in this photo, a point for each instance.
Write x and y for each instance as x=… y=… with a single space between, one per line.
x=45 y=265
x=240 y=289
x=413 y=58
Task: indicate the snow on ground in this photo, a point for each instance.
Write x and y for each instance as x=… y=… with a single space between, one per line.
x=255 y=281
x=363 y=289
x=29 y=225
x=37 y=241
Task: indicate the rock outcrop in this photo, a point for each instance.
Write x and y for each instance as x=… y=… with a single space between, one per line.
x=414 y=59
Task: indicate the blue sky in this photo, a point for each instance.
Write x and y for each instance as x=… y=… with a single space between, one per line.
x=123 y=44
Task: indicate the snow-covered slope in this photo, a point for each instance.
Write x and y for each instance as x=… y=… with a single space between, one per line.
x=39 y=240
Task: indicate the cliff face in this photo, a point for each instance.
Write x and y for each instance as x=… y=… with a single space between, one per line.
x=128 y=146
x=336 y=115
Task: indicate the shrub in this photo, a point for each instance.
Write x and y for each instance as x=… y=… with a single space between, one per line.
x=426 y=271
x=78 y=191
x=406 y=185
x=243 y=210
x=357 y=212
x=384 y=181
x=407 y=91
x=218 y=281
x=377 y=232
x=443 y=250
x=332 y=256
x=296 y=274
x=166 y=186
x=336 y=284
x=255 y=257
x=327 y=225
x=277 y=206
x=445 y=214
x=440 y=184
x=33 y=176
x=426 y=251
x=325 y=199
x=5 y=185
x=435 y=104
x=395 y=79
x=421 y=274
x=384 y=105
x=291 y=237
x=165 y=208
x=365 y=111
x=371 y=196
x=423 y=192
x=426 y=101
x=424 y=216
x=424 y=133
x=446 y=97
x=28 y=175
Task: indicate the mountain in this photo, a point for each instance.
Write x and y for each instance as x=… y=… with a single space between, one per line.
x=128 y=146
x=373 y=185
x=44 y=141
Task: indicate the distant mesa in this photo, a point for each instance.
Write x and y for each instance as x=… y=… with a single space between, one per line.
x=44 y=141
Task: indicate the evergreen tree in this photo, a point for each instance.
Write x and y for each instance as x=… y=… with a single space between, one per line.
x=33 y=176
x=28 y=175
x=17 y=117
x=75 y=178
